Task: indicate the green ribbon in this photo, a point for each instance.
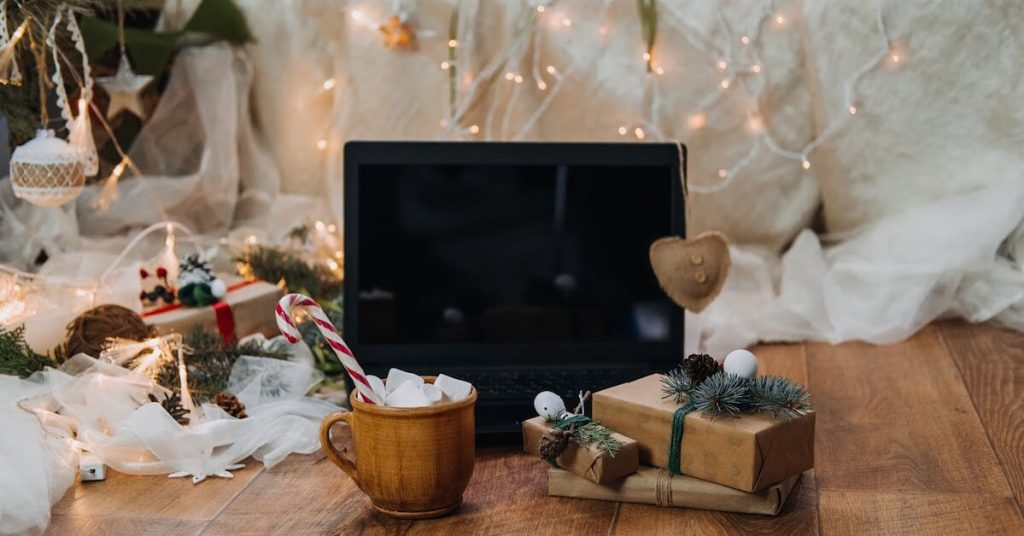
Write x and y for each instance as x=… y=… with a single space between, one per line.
x=675 y=441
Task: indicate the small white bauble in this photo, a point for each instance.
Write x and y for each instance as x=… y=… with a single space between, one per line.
x=548 y=405
x=47 y=171
x=741 y=363
x=218 y=288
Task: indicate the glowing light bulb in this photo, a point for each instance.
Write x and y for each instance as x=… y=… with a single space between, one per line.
x=322 y=145
x=331 y=264
x=853 y=110
x=623 y=130
x=329 y=83
x=755 y=68
x=319 y=225
x=445 y=65
x=780 y=20
x=452 y=43
x=332 y=228
x=697 y=121
x=745 y=39
x=722 y=173
x=541 y=9
x=659 y=70
x=474 y=129
x=895 y=57
x=647 y=56
x=510 y=76
x=551 y=69
x=444 y=123
x=722 y=65
x=724 y=84
x=519 y=79
x=805 y=164
x=639 y=133
x=754 y=124
x=251 y=239
x=566 y=22
x=542 y=85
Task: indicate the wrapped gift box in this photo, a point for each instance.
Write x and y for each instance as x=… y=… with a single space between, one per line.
x=651 y=485
x=747 y=452
x=247 y=308
x=590 y=463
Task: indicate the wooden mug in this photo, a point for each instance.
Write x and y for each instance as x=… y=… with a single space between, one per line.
x=413 y=463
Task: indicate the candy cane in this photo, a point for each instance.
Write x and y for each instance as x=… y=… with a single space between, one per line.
x=291 y=332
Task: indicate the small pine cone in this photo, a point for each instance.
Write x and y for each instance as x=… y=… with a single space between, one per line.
x=699 y=367
x=230 y=403
x=553 y=444
x=172 y=405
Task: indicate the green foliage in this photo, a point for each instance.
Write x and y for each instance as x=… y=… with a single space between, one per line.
x=676 y=384
x=721 y=393
x=779 y=396
x=16 y=358
x=586 y=431
x=278 y=265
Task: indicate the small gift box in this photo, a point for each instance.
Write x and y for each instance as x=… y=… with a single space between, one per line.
x=749 y=452
x=590 y=462
x=651 y=485
x=246 y=308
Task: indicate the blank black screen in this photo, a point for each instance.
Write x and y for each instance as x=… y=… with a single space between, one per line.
x=511 y=254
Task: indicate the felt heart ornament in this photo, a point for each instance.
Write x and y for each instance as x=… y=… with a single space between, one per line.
x=692 y=272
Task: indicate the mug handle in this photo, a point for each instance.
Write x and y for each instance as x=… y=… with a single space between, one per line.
x=332 y=453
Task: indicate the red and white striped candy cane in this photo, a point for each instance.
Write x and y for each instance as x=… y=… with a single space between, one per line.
x=293 y=302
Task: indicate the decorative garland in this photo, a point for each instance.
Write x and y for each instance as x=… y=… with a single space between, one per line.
x=699 y=385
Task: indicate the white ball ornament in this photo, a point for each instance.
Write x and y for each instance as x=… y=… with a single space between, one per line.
x=548 y=405
x=218 y=288
x=47 y=171
x=742 y=363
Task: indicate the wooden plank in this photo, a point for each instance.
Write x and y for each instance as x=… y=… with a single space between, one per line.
x=155 y=497
x=786 y=360
x=508 y=495
x=303 y=495
x=991 y=363
x=116 y=526
x=859 y=512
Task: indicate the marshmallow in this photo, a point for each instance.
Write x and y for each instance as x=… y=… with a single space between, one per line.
x=432 y=392
x=407 y=395
x=397 y=377
x=452 y=388
x=377 y=385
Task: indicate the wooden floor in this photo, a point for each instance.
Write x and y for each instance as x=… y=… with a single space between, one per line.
x=922 y=437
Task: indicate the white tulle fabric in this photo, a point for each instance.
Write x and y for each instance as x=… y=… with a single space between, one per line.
x=103 y=408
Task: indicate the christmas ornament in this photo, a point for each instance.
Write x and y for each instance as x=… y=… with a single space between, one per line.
x=550 y=406
x=398 y=34
x=125 y=90
x=692 y=272
x=230 y=404
x=160 y=292
x=46 y=171
x=172 y=403
x=291 y=332
x=699 y=366
x=742 y=363
x=197 y=286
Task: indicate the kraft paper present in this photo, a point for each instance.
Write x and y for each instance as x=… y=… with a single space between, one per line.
x=247 y=308
x=651 y=485
x=748 y=452
x=590 y=463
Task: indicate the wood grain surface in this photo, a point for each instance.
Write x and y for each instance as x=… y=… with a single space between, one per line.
x=921 y=437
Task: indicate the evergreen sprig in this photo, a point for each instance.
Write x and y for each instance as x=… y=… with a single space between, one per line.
x=586 y=431
x=16 y=358
x=281 y=266
x=779 y=396
x=676 y=384
x=721 y=393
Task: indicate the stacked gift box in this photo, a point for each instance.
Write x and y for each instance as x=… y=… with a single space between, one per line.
x=677 y=449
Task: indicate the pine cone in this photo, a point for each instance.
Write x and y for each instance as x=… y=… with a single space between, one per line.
x=553 y=444
x=172 y=404
x=230 y=403
x=699 y=366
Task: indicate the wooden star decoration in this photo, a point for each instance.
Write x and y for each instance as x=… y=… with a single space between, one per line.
x=397 y=35
x=125 y=90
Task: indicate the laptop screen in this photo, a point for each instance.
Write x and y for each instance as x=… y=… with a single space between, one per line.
x=500 y=254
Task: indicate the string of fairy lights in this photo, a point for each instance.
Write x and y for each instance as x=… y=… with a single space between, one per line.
x=519 y=63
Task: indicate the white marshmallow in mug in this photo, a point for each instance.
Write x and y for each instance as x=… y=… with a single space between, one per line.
x=742 y=363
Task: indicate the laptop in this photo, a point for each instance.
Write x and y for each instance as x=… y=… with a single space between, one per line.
x=519 y=267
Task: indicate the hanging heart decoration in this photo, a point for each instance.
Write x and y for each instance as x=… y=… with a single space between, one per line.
x=692 y=271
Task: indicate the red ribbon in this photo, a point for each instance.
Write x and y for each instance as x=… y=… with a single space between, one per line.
x=225 y=316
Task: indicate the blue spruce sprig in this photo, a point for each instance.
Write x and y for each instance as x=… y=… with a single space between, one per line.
x=779 y=396
x=721 y=393
x=677 y=385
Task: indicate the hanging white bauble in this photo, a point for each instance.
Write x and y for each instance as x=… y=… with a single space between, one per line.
x=549 y=405
x=742 y=363
x=47 y=171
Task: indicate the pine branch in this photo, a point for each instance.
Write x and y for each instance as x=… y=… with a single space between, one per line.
x=280 y=266
x=676 y=384
x=586 y=431
x=16 y=358
x=721 y=393
x=779 y=396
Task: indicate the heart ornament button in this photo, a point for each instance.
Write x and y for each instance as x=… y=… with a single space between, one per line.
x=692 y=271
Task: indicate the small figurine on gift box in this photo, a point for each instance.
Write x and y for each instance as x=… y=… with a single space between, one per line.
x=197 y=286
